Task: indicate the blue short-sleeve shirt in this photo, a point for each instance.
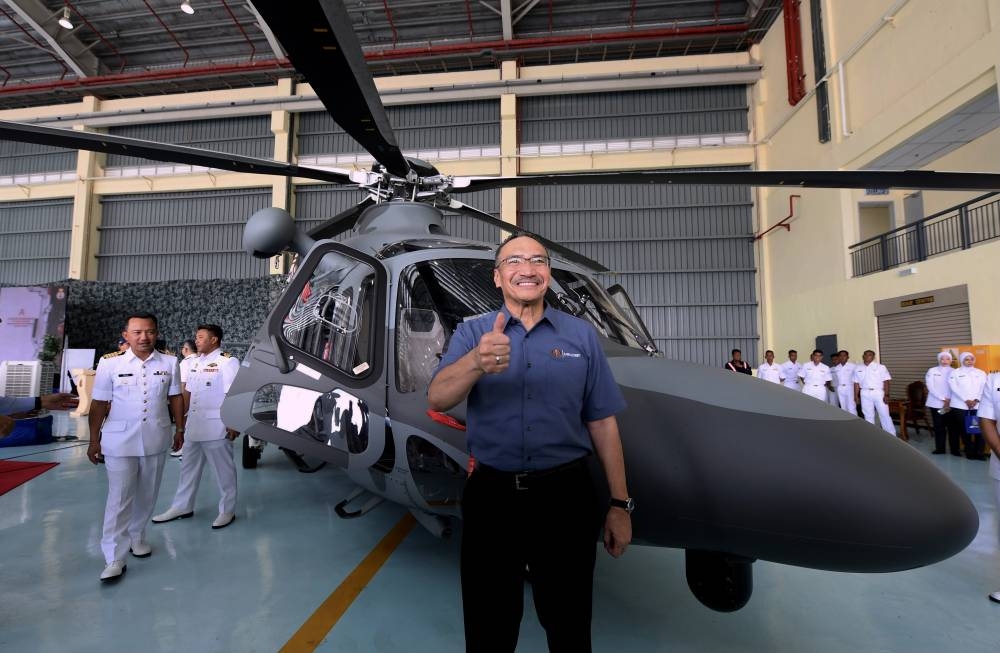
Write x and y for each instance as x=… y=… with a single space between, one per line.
x=533 y=415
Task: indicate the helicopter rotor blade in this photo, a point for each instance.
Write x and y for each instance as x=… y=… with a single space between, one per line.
x=566 y=252
x=911 y=179
x=341 y=222
x=320 y=41
x=109 y=144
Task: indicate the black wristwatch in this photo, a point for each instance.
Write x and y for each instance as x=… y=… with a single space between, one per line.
x=628 y=505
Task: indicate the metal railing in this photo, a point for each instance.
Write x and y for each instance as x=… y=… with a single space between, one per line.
x=959 y=227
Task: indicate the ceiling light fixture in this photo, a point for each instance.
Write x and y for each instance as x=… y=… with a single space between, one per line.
x=187 y=8
x=65 y=21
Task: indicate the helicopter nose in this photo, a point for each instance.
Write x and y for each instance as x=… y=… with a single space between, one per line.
x=769 y=473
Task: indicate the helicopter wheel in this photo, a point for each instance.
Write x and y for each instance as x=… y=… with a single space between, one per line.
x=250 y=454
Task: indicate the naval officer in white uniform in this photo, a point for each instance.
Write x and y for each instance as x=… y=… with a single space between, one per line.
x=816 y=377
x=989 y=412
x=769 y=370
x=790 y=371
x=133 y=389
x=871 y=387
x=206 y=438
x=843 y=378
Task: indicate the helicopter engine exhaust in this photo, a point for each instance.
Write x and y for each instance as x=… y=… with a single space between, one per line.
x=721 y=581
x=270 y=231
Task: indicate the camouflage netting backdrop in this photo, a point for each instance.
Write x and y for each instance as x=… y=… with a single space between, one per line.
x=96 y=309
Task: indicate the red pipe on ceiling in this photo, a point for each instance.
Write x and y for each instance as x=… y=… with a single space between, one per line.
x=392 y=25
x=123 y=79
x=253 y=48
x=793 y=51
x=99 y=35
x=37 y=42
x=187 y=55
x=547 y=41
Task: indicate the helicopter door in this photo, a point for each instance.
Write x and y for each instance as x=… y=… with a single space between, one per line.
x=320 y=389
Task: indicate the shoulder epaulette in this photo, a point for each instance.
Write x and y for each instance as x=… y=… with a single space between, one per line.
x=226 y=354
x=112 y=354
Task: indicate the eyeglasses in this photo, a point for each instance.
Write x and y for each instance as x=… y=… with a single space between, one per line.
x=517 y=260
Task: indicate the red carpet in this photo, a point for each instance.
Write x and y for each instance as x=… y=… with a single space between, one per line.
x=13 y=473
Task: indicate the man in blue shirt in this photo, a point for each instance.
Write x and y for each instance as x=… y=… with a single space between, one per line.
x=541 y=398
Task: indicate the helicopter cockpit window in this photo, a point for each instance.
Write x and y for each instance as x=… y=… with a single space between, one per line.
x=434 y=298
x=331 y=319
x=581 y=296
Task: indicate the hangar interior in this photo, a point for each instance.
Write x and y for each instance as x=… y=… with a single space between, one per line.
x=497 y=87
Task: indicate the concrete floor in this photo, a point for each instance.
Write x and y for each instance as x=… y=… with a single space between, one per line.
x=251 y=586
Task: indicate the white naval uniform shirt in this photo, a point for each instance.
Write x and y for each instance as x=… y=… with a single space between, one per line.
x=938 y=389
x=770 y=372
x=843 y=375
x=871 y=377
x=208 y=380
x=185 y=366
x=139 y=422
x=989 y=407
x=790 y=372
x=814 y=374
x=966 y=383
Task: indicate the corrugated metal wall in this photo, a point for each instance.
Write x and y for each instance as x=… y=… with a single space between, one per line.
x=248 y=136
x=684 y=254
x=27 y=158
x=316 y=203
x=35 y=241
x=417 y=127
x=633 y=114
x=164 y=236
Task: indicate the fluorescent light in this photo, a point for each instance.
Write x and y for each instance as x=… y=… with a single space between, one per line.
x=64 y=21
x=187 y=8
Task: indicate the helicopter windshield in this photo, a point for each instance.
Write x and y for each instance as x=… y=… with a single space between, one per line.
x=436 y=296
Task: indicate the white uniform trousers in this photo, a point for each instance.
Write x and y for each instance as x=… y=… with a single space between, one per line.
x=133 y=483
x=220 y=456
x=846 y=395
x=872 y=401
x=814 y=390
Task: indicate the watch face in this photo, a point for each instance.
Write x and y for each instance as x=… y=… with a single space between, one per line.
x=629 y=504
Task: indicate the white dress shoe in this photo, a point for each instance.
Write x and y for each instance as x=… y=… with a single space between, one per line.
x=141 y=549
x=224 y=519
x=172 y=514
x=175 y=454
x=113 y=571
x=995 y=597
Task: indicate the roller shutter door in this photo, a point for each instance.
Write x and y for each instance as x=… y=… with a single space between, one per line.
x=909 y=341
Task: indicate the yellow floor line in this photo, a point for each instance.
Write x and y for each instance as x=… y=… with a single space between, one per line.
x=326 y=616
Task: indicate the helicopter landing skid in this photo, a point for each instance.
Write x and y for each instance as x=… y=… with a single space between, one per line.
x=372 y=502
x=300 y=462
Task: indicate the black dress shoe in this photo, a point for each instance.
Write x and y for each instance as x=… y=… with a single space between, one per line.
x=957 y=453
x=976 y=456
x=937 y=451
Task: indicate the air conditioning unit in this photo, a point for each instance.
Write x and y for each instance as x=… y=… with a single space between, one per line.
x=21 y=378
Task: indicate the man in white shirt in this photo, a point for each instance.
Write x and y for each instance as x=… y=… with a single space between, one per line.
x=939 y=403
x=790 y=371
x=769 y=370
x=871 y=387
x=206 y=437
x=989 y=408
x=843 y=378
x=815 y=375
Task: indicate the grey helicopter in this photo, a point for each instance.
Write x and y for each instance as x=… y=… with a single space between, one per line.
x=339 y=370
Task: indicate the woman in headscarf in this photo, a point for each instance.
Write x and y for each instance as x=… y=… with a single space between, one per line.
x=939 y=402
x=966 y=385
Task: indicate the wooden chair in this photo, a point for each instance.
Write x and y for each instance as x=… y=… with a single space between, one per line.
x=916 y=396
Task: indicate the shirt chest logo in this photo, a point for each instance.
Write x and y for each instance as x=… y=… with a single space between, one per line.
x=559 y=354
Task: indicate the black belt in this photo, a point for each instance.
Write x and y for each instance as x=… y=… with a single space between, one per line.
x=525 y=480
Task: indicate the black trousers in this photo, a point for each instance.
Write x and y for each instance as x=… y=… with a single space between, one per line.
x=974 y=445
x=548 y=528
x=941 y=426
